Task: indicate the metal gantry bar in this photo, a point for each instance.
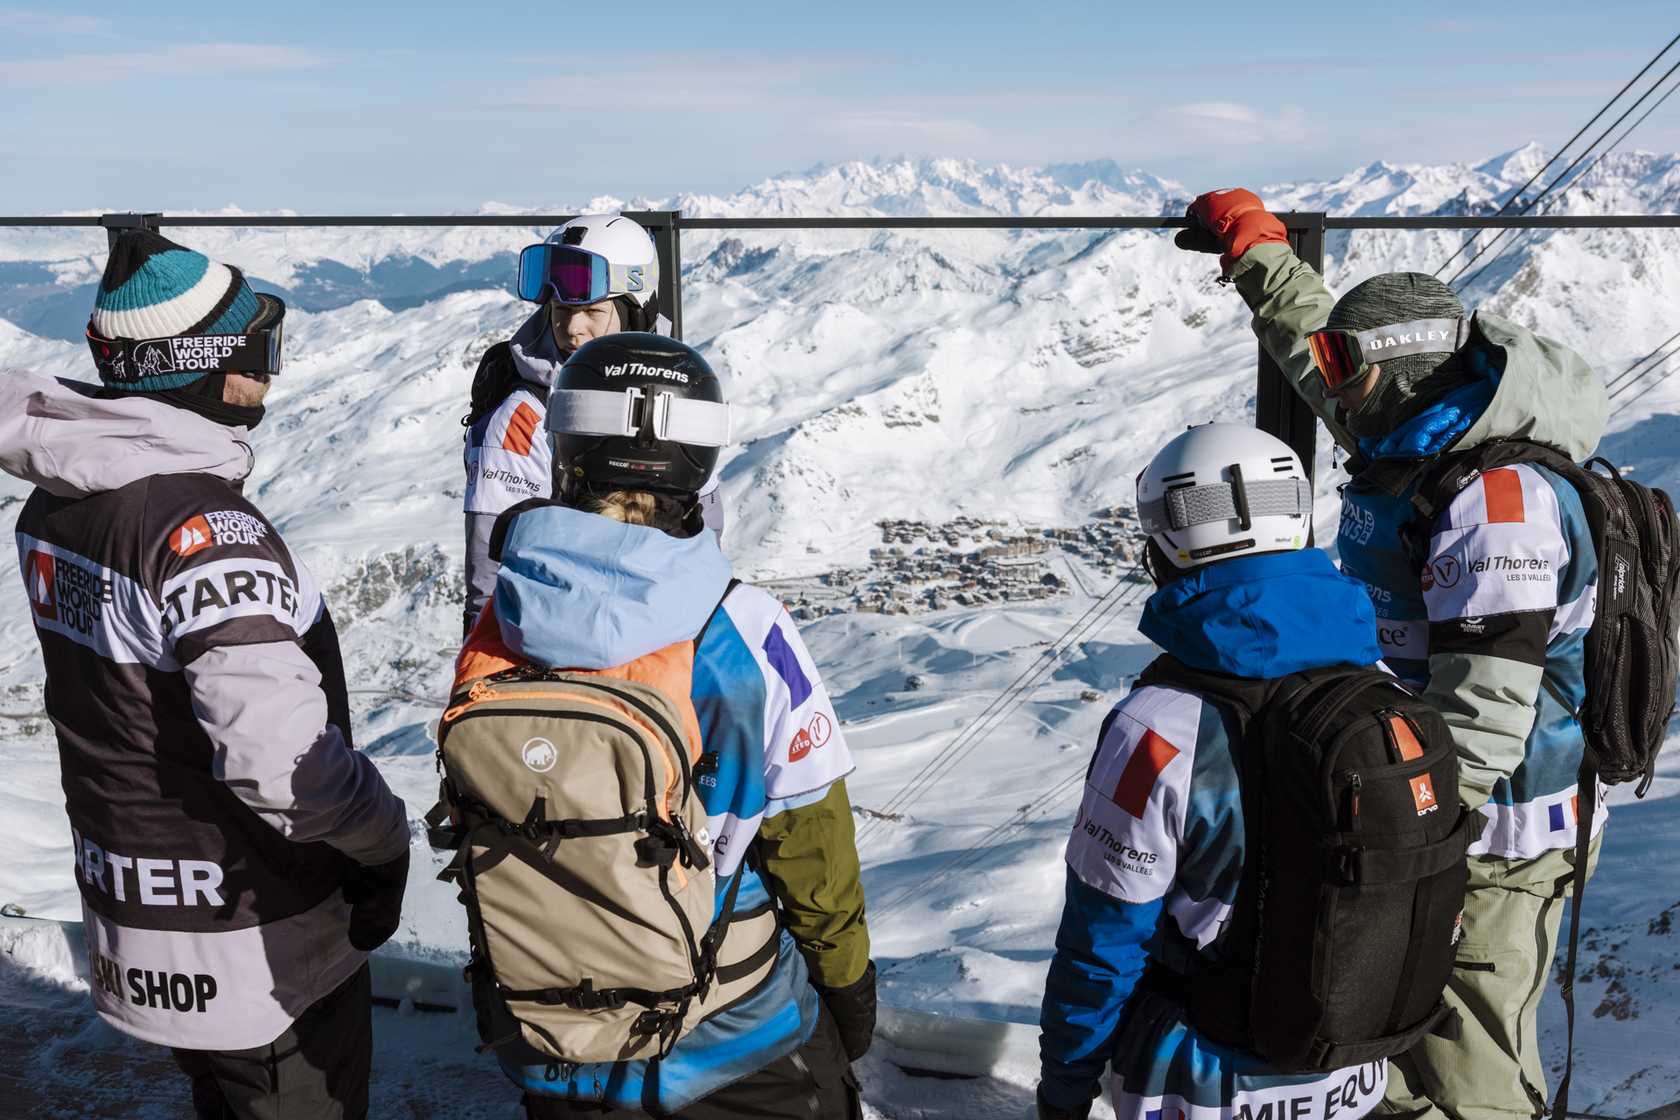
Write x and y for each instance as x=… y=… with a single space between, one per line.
x=1278 y=408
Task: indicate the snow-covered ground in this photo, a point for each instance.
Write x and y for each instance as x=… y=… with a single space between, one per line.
x=1022 y=377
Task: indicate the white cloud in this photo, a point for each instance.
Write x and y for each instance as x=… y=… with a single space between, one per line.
x=190 y=60
x=1227 y=112
x=37 y=21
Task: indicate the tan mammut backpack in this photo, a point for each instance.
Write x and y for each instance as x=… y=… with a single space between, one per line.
x=581 y=850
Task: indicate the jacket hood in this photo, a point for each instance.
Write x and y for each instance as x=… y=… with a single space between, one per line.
x=1547 y=393
x=536 y=356
x=1264 y=616
x=71 y=443
x=580 y=591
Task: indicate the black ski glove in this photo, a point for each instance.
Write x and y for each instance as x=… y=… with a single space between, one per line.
x=375 y=895
x=853 y=1011
x=1048 y=1111
x=1198 y=238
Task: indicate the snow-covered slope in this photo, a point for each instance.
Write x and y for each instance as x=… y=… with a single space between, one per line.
x=1021 y=377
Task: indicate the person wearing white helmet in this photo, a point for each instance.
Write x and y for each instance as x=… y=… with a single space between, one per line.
x=1156 y=859
x=596 y=275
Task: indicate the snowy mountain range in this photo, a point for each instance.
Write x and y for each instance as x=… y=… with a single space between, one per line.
x=1019 y=376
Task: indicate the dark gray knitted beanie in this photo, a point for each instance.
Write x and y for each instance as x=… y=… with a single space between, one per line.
x=1406 y=384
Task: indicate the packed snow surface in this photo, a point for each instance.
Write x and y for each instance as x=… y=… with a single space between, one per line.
x=1021 y=377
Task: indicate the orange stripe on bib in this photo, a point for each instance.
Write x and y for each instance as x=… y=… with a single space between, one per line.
x=1503 y=493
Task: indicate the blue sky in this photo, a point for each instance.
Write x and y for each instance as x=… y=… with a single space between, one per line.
x=361 y=107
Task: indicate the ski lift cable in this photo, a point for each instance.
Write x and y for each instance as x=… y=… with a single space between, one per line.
x=1534 y=235
x=933 y=765
x=1672 y=369
x=1617 y=142
x=972 y=856
x=1471 y=240
x=982 y=729
x=1614 y=383
x=1003 y=704
x=1026 y=815
x=1629 y=383
x=1564 y=174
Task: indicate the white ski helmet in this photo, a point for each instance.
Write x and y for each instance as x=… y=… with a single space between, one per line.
x=627 y=248
x=1221 y=490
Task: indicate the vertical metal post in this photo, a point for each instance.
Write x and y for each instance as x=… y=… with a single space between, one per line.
x=115 y=224
x=1278 y=408
x=667 y=241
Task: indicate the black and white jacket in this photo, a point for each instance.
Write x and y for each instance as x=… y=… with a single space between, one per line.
x=195 y=684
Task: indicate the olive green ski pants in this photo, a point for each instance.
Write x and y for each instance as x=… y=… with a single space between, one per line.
x=1512 y=914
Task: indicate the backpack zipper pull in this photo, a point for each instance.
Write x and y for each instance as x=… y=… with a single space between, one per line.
x=1354 y=783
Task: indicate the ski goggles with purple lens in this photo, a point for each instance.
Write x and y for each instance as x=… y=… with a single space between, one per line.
x=1344 y=356
x=573 y=276
x=123 y=360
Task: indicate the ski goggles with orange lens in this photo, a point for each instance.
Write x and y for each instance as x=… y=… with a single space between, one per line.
x=575 y=277
x=1344 y=356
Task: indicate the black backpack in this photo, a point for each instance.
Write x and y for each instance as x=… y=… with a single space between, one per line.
x=1341 y=939
x=1631 y=651
x=495 y=379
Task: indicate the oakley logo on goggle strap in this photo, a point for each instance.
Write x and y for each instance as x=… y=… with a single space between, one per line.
x=1423 y=336
x=664 y=415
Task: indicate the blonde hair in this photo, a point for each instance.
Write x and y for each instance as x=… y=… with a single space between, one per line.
x=633 y=507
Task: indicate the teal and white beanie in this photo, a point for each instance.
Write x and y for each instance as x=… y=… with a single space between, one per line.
x=154 y=288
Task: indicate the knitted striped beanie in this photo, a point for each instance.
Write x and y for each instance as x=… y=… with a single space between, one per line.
x=154 y=288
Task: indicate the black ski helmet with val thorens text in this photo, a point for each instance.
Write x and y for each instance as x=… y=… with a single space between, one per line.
x=637 y=411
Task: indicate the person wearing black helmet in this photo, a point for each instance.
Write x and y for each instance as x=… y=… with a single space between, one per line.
x=615 y=567
x=596 y=275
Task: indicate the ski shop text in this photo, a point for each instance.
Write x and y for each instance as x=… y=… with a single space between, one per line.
x=145 y=987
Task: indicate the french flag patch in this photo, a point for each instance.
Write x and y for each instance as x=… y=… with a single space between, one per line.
x=786 y=663
x=1559 y=819
x=1137 y=781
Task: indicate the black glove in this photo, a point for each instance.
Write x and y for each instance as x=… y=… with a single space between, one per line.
x=853 y=1011
x=375 y=895
x=1048 y=1111
x=1198 y=238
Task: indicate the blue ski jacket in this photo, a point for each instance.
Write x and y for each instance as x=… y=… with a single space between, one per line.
x=1156 y=852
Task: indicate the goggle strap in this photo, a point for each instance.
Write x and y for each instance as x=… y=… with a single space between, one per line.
x=592 y=412
x=702 y=423
x=1415 y=337
x=604 y=412
x=1189 y=506
x=136 y=359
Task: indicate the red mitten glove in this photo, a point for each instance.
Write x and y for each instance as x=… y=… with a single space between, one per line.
x=1230 y=222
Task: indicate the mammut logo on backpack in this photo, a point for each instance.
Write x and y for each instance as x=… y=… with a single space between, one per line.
x=539 y=755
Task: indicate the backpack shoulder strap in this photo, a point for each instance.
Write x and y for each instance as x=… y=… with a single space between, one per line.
x=494 y=381
x=1242 y=697
x=727 y=591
